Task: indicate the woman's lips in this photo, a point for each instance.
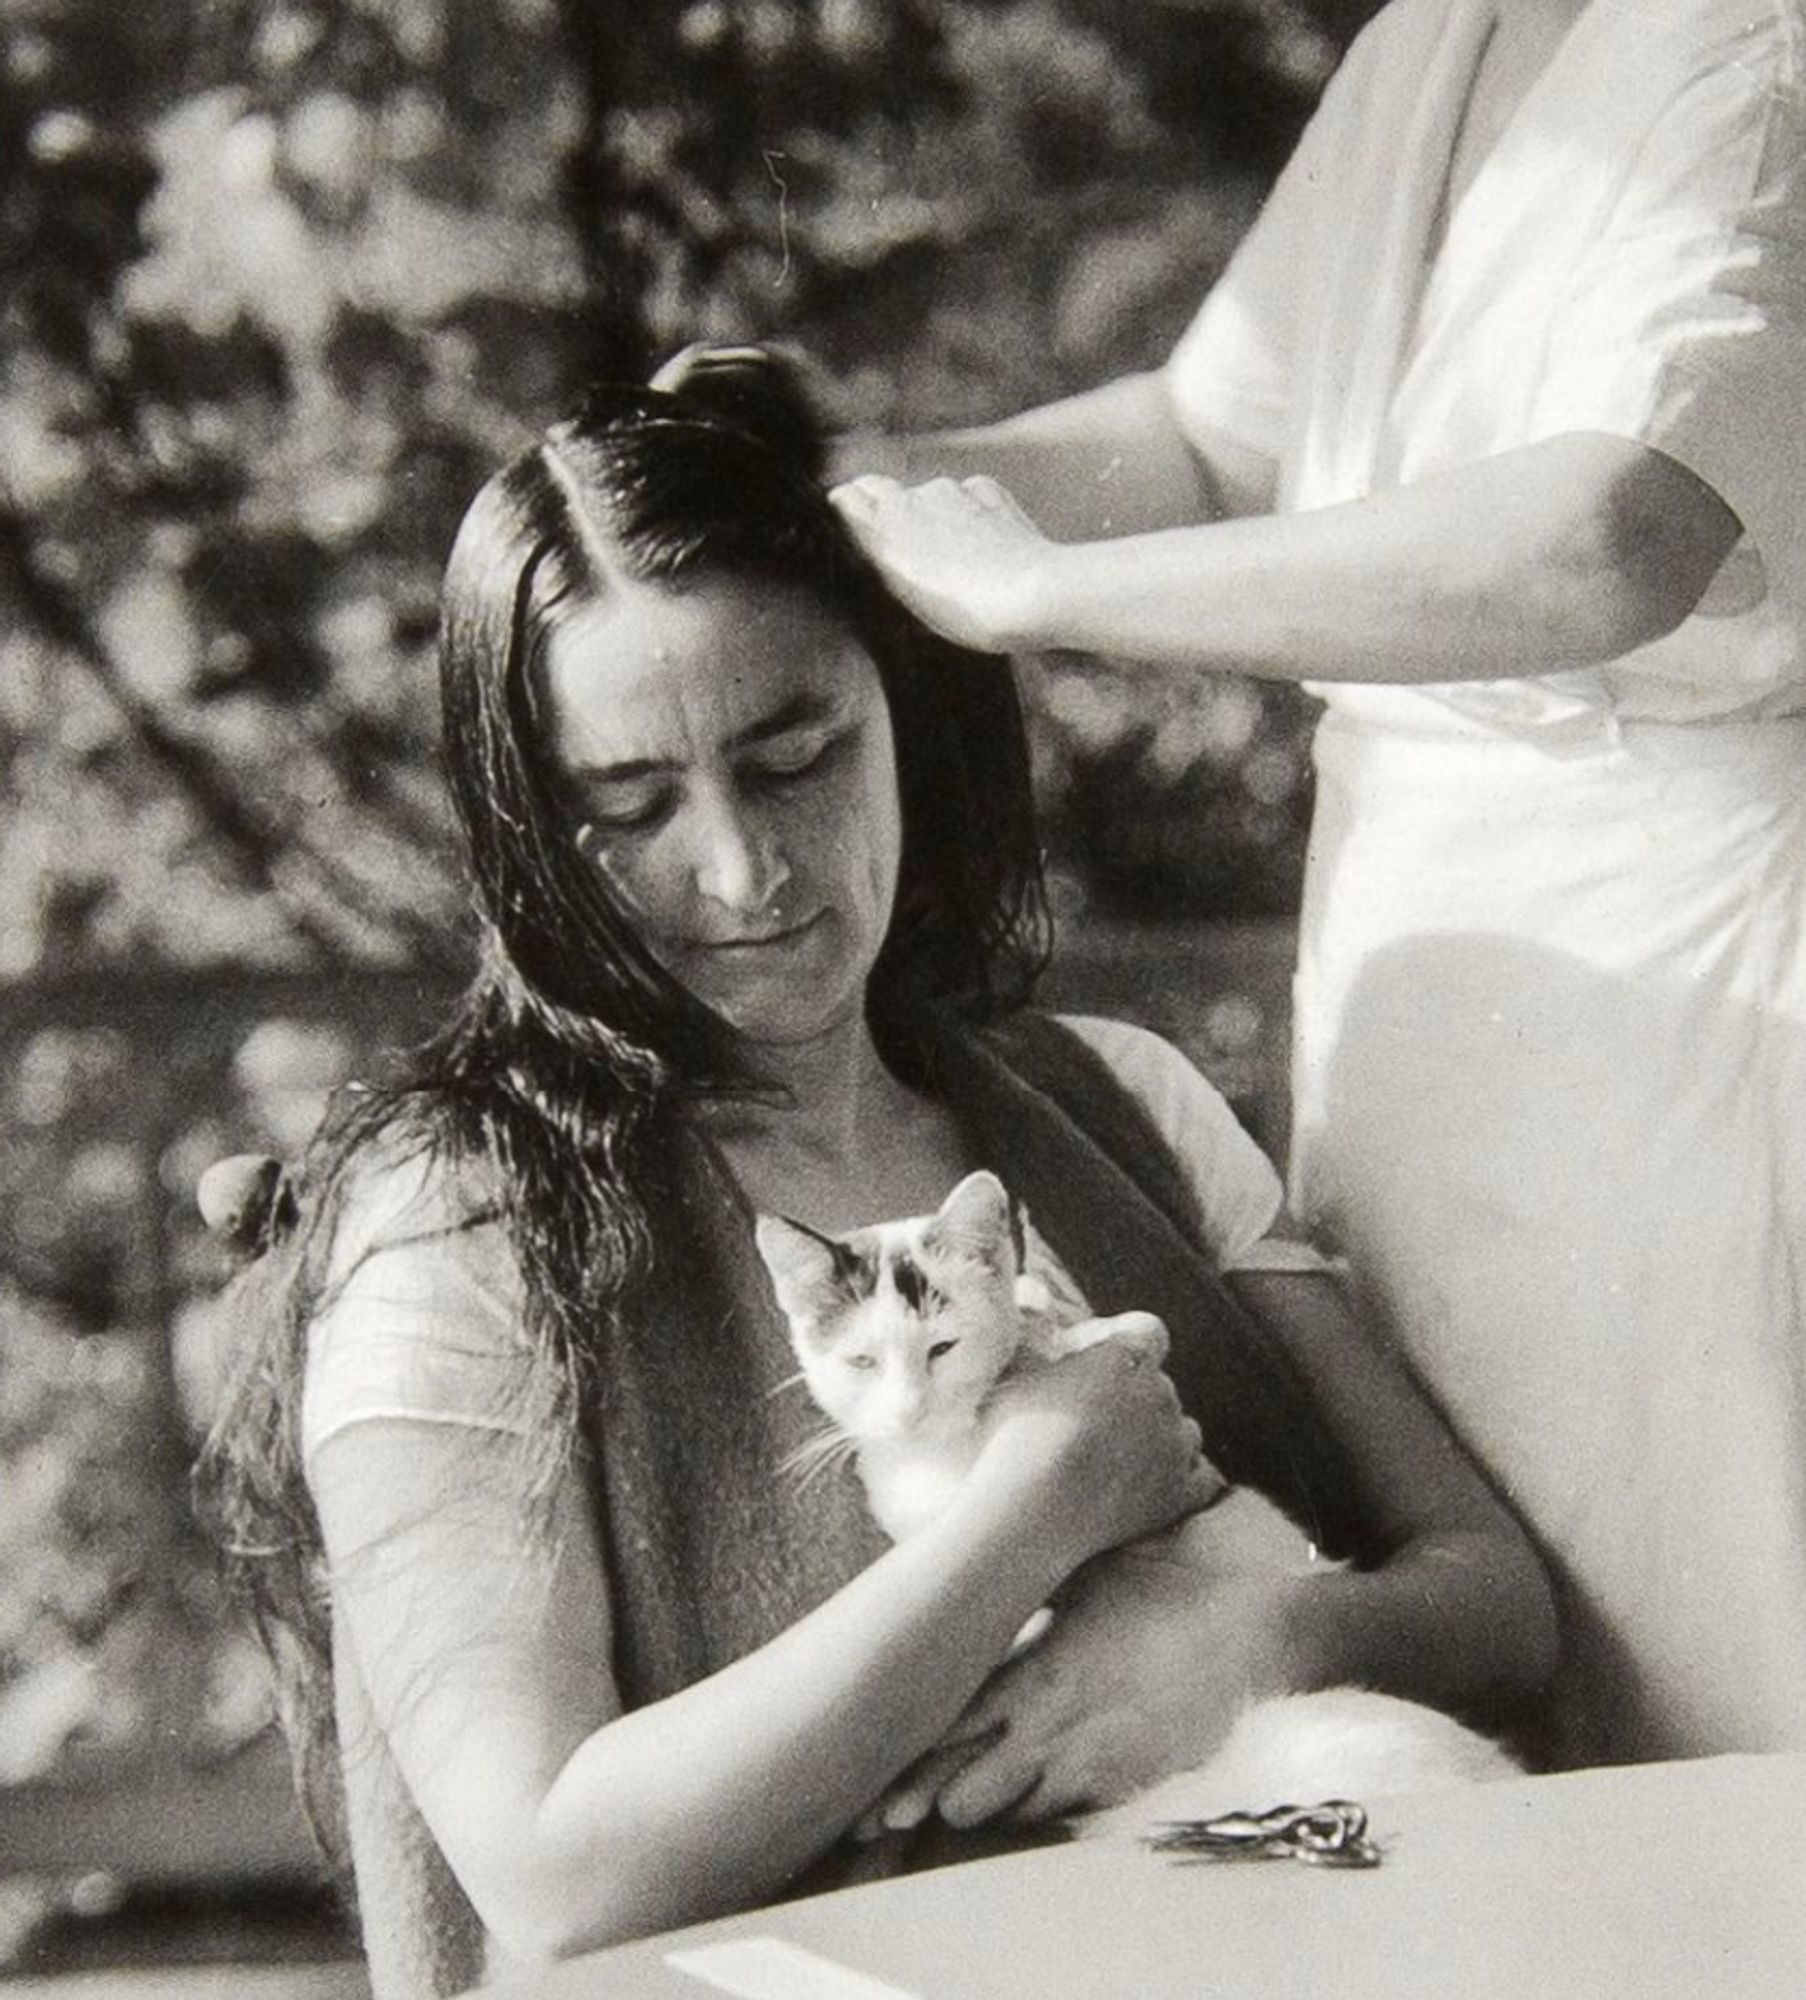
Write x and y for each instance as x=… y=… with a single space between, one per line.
x=764 y=941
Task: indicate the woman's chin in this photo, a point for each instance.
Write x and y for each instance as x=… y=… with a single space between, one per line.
x=784 y=1015
x=787 y=1025
x=790 y=1001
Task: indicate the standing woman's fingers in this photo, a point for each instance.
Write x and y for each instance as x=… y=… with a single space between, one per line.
x=863 y=492
x=995 y=498
x=959 y=553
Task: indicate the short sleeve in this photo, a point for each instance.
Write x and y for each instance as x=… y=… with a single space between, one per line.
x=421 y=1315
x=1233 y=373
x=1684 y=322
x=1234 y=1186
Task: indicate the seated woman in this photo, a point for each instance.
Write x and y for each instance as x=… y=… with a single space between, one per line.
x=570 y=1657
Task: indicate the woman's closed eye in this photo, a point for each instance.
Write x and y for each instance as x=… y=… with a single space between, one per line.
x=786 y=759
x=633 y=812
x=629 y=815
x=641 y=807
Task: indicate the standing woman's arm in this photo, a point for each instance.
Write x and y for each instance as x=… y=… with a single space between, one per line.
x=1668 y=418
x=1112 y=461
x=1146 y=453
x=1557 y=555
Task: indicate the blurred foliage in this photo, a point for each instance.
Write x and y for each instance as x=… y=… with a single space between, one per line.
x=283 y=279
x=113 y=1337
x=283 y=282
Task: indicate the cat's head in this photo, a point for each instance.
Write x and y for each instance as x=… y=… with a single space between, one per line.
x=906 y=1326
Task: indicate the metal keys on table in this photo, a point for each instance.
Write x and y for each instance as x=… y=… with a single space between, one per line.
x=1331 y=1835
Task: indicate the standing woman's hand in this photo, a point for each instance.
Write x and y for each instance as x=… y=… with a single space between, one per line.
x=959 y=552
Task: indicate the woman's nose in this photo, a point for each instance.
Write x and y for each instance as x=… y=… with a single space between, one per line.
x=739 y=864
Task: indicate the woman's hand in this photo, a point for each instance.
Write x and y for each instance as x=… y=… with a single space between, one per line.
x=1150 y=1656
x=959 y=552
x=1094 y=1450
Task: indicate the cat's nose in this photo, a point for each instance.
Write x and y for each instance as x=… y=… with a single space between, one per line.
x=911 y=1409
x=899 y=1413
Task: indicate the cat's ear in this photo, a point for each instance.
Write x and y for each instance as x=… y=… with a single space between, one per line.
x=809 y=1272
x=979 y=1218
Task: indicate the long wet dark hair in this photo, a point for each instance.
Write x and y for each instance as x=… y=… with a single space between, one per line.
x=551 y=1090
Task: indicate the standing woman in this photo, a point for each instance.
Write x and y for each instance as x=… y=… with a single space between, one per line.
x=1509 y=379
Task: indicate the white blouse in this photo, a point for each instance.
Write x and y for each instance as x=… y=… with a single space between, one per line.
x=1629 y=259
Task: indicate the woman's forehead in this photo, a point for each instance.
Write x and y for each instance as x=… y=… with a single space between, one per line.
x=650 y=671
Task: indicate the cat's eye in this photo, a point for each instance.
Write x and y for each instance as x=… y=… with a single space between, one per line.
x=941 y=1347
x=862 y=1361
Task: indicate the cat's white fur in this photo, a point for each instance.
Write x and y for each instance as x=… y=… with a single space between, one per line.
x=1301 y=1749
x=904 y=1388
x=901 y=1332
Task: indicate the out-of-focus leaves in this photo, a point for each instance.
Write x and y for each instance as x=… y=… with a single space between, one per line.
x=258 y=351
x=1174 y=798
x=286 y=282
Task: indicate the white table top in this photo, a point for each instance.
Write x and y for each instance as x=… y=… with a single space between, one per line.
x=1651 y=1882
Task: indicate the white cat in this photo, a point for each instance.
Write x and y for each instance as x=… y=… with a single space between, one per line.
x=903 y=1329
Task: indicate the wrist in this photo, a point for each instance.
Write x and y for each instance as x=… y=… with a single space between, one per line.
x=1010 y=1505
x=1030 y=616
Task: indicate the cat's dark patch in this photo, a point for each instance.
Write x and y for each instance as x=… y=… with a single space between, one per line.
x=914 y=1286
x=857 y=1276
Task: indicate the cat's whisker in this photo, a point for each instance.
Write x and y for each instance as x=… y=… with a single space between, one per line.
x=839 y=1451
x=811 y=1448
x=817 y=1454
x=871 y=1315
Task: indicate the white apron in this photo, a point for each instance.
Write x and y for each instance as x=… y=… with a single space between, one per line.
x=1551 y=1001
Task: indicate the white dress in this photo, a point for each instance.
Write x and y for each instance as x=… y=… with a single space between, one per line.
x=1551 y=998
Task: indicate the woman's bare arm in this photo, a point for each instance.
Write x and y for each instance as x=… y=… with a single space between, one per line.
x=1558 y=555
x=1156 y=1647
x=569 y=1824
x=1111 y=461
x=1459 y=1611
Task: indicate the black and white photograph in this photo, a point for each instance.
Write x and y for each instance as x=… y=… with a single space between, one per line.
x=902 y=999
